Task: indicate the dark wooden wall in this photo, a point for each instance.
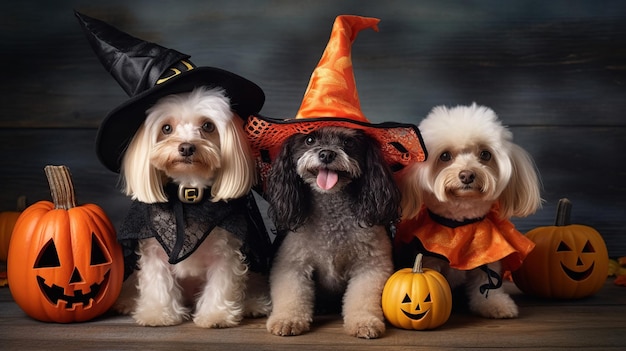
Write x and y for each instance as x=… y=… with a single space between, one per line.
x=555 y=72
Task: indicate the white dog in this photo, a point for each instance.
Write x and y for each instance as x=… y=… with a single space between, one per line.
x=456 y=205
x=190 y=255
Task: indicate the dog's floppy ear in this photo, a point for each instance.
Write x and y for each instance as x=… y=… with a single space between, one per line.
x=410 y=184
x=377 y=195
x=521 y=197
x=238 y=173
x=141 y=181
x=286 y=191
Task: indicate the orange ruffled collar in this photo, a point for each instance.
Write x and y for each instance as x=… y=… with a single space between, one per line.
x=470 y=245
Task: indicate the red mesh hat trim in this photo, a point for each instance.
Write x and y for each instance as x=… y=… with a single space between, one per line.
x=401 y=144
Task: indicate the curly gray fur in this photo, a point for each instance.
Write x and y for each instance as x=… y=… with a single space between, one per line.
x=336 y=240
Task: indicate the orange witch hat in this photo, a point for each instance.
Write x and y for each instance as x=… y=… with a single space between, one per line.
x=331 y=99
x=332 y=87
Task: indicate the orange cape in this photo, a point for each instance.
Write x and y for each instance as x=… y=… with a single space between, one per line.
x=470 y=245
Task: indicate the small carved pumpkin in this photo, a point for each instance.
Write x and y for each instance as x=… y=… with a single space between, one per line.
x=417 y=298
x=569 y=261
x=7 y=223
x=64 y=262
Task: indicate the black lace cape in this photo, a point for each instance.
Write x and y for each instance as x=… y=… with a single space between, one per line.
x=181 y=228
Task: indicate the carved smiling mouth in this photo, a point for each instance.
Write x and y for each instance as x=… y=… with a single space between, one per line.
x=55 y=293
x=578 y=276
x=414 y=316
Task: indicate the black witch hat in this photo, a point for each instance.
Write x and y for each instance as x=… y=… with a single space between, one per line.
x=148 y=72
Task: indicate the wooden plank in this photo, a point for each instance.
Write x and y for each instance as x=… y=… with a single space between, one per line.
x=27 y=151
x=594 y=323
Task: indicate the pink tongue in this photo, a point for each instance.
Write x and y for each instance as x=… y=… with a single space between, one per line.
x=326 y=178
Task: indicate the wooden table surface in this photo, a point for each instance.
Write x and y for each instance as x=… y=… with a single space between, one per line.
x=595 y=323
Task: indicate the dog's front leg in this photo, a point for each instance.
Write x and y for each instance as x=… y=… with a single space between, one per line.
x=159 y=302
x=362 y=310
x=220 y=303
x=486 y=294
x=293 y=297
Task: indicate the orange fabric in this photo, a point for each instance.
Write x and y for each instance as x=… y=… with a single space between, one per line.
x=471 y=245
x=332 y=87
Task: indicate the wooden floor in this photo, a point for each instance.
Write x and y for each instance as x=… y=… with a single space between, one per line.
x=597 y=323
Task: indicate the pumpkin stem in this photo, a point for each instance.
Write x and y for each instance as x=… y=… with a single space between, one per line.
x=21 y=203
x=61 y=187
x=563 y=212
x=417 y=266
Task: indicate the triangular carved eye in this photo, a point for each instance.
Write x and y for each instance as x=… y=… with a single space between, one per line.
x=588 y=247
x=427 y=299
x=48 y=256
x=563 y=247
x=406 y=299
x=98 y=255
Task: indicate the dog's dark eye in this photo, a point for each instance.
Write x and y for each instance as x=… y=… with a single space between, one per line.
x=310 y=140
x=485 y=155
x=208 y=127
x=349 y=143
x=445 y=156
x=167 y=129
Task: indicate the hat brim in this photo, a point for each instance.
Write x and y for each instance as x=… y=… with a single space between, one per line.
x=120 y=125
x=400 y=143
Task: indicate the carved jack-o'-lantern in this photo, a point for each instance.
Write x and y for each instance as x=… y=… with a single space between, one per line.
x=417 y=298
x=569 y=260
x=64 y=262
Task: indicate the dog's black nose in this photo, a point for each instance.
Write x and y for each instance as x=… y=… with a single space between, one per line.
x=467 y=177
x=327 y=156
x=186 y=149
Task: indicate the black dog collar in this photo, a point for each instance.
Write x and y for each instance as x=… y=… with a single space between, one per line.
x=451 y=223
x=189 y=194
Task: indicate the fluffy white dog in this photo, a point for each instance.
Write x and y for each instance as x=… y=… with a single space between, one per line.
x=189 y=259
x=456 y=205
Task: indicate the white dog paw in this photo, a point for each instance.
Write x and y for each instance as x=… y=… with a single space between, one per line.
x=288 y=327
x=365 y=328
x=157 y=318
x=220 y=319
x=496 y=306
